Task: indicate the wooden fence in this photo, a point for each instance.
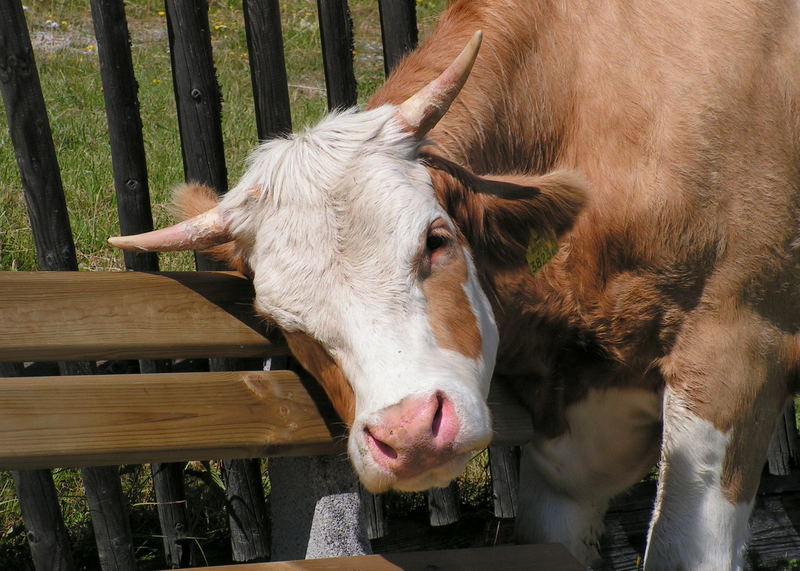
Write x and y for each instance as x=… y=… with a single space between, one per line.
x=198 y=104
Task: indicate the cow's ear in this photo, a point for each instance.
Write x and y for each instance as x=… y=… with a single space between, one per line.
x=191 y=199
x=504 y=217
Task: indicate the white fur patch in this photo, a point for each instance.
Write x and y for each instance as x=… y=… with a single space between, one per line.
x=694 y=526
x=566 y=482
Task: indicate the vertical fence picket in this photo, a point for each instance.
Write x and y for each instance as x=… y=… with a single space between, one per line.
x=124 y=126
x=198 y=100
x=443 y=505
x=44 y=195
x=783 y=448
x=170 y=491
x=44 y=526
x=267 y=67
x=197 y=94
x=504 y=468
x=336 y=34
x=133 y=208
x=372 y=506
x=398 y=30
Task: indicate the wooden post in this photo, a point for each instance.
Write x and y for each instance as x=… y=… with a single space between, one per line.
x=443 y=505
x=135 y=216
x=336 y=33
x=399 y=30
x=504 y=468
x=124 y=126
x=783 y=449
x=33 y=143
x=198 y=100
x=372 y=506
x=112 y=531
x=55 y=249
x=44 y=526
x=168 y=484
x=262 y=20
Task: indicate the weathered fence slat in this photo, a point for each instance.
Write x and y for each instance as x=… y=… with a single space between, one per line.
x=262 y=20
x=44 y=525
x=198 y=100
x=783 y=448
x=372 y=506
x=133 y=209
x=168 y=484
x=112 y=530
x=197 y=93
x=124 y=126
x=32 y=140
x=247 y=511
x=44 y=195
x=398 y=30
x=504 y=467
x=336 y=33
x=443 y=506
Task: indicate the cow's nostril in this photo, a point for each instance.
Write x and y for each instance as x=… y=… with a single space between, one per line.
x=437 y=416
x=387 y=450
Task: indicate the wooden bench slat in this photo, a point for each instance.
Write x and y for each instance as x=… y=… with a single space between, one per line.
x=111 y=419
x=49 y=316
x=548 y=557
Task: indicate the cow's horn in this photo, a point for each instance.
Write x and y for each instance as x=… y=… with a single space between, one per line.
x=197 y=233
x=422 y=111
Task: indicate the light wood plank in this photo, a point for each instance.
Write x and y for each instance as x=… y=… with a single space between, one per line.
x=106 y=419
x=109 y=419
x=549 y=557
x=48 y=316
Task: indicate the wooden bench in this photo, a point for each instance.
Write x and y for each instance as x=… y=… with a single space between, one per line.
x=96 y=420
x=93 y=420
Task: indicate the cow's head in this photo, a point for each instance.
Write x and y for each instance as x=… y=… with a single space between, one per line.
x=368 y=270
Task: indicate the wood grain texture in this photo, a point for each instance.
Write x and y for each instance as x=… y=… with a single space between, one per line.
x=267 y=67
x=336 y=36
x=124 y=126
x=500 y=558
x=398 y=29
x=29 y=128
x=107 y=419
x=504 y=462
x=114 y=315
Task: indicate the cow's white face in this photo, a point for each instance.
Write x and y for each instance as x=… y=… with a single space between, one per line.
x=349 y=245
x=352 y=253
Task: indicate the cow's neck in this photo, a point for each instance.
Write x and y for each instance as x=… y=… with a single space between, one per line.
x=490 y=128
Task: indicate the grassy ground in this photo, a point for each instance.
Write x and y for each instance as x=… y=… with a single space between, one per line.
x=66 y=57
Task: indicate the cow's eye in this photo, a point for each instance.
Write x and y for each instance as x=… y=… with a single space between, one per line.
x=435 y=242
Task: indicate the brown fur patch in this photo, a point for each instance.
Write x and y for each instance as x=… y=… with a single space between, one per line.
x=730 y=373
x=191 y=199
x=326 y=371
x=450 y=312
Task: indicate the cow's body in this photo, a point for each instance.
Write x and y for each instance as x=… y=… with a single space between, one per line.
x=681 y=277
x=669 y=316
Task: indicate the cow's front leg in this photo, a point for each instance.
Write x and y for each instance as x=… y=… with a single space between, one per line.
x=549 y=513
x=726 y=385
x=566 y=482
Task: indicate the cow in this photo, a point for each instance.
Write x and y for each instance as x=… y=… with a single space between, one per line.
x=656 y=144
